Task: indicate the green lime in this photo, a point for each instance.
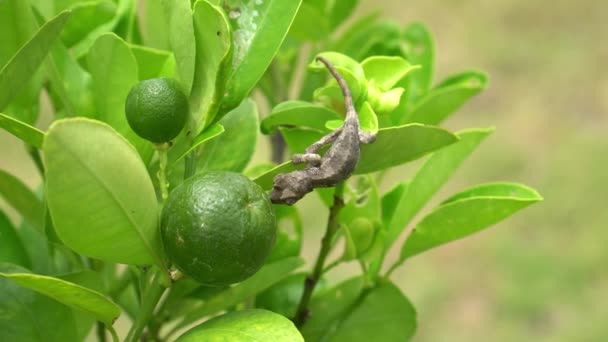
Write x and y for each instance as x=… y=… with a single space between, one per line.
x=218 y=227
x=157 y=109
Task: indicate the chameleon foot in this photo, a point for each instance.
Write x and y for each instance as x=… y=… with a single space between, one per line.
x=309 y=158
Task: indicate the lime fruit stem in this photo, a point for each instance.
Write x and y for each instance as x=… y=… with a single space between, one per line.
x=162 y=171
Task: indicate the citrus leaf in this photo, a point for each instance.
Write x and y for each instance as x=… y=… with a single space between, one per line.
x=340 y=11
x=263 y=279
x=447 y=98
x=398 y=145
x=386 y=71
x=114 y=71
x=29 y=316
x=300 y=114
x=120 y=213
x=153 y=63
x=383 y=314
x=209 y=133
x=86 y=16
x=70 y=294
x=178 y=20
x=212 y=51
x=15 y=74
x=22 y=199
x=29 y=134
x=124 y=9
x=265 y=179
x=11 y=246
x=429 y=178
x=466 y=213
x=232 y=150
x=302 y=29
x=258 y=28
x=242 y=326
x=419 y=50
x=289 y=233
x=327 y=308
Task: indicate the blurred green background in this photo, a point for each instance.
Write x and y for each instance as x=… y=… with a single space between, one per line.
x=543 y=274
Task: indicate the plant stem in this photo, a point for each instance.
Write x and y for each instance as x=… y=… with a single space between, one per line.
x=162 y=171
x=302 y=313
x=191 y=160
x=35 y=154
x=101 y=332
x=153 y=294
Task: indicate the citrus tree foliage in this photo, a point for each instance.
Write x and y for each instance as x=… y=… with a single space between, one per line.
x=87 y=246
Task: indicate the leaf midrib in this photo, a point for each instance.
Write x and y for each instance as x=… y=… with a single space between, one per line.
x=113 y=196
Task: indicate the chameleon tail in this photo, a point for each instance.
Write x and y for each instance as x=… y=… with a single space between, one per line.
x=348 y=98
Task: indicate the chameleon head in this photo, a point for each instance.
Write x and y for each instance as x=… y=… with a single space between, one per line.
x=288 y=188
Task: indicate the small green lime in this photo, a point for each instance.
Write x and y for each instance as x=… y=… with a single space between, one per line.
x=218 y=227
x=157 y=109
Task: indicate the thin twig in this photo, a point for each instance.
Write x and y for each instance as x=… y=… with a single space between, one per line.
x=302 y=313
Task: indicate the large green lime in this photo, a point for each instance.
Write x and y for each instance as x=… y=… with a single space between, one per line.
x=157 y=109
x=218 y=227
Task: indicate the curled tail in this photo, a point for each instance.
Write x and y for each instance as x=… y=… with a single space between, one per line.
x=351 y=114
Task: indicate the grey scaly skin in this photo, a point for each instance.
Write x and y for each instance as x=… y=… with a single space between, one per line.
x=336 y=165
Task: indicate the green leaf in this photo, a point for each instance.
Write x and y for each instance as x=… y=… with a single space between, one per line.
x=121 y=213
x=289 y=233
x=114 y=71
x=300 y=114
x=124 y=10
x=329 y=307
x=22 y=199
x=398 y=145
x=259 y=28
x=284 y=296
x=153 y=63
x=17 y=26
x=86 y=16
x=267 y=276
x=212 y=51
x=391 y=200
x=155 y=30
x=393 y=146
x=340 y=11
x=178 y=21
x=466 y=213
x=31 y=317
x=22 y=66
x=69 y=294
x=233 y=149
x=419 y=49
x=359 y=237
x=386 y=71
x=428 y=180
x=209 y=133
x=246 y=325
x=383 y=314
x=11 y=246
x=302 y=29
x=265 y=180
x=71 y=85
x=29 y=134
x=447 y=98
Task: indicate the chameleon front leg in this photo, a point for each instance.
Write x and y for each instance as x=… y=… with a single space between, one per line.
x=311 y=154
x=366 y=137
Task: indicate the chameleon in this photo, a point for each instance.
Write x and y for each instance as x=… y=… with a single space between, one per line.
x=336 y=165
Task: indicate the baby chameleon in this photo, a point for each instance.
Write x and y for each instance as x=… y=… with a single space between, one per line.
x=336 y=165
